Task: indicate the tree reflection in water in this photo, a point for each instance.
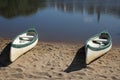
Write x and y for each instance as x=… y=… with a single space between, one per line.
x=14 y=8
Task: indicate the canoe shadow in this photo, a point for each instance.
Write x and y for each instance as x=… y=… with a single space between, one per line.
x=5 y=56
x=79 y=61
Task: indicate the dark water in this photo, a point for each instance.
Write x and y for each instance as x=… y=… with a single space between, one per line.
x=60 y=20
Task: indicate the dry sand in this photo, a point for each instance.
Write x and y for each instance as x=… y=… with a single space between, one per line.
x=58 y=61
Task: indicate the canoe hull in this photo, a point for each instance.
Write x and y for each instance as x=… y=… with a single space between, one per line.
x=97 y=45
x=92 y=55
x=17 y=52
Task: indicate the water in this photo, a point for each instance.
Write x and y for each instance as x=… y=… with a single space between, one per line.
x=60 y=20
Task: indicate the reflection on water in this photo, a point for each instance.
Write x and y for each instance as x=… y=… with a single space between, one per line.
x=14 y=8
x=60 y=20
x=92 y=7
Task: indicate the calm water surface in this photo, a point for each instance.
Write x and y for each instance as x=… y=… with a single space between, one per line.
x=60 y=20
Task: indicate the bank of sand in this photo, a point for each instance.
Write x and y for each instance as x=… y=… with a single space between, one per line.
x=58 y=61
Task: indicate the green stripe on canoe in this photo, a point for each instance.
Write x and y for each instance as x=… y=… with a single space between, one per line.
x=24 y=45
x=102 y=47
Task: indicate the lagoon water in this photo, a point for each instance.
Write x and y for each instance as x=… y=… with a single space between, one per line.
x=60 y=20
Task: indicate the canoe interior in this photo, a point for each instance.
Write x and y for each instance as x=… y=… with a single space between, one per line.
x=24 y=38
x=99 y=41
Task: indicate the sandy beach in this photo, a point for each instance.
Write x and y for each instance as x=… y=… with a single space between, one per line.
x=58 y=61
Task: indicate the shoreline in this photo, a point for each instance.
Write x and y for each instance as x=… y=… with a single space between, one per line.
x=59 y=61
x=116 y=45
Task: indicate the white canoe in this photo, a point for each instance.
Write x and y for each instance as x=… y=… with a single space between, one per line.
x=23 y=43
x=97 y=45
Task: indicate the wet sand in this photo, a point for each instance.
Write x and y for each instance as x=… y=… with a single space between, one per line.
x=58 y=61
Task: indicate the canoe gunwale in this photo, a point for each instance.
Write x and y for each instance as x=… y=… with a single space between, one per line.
x=102 y=47
x=24 y=45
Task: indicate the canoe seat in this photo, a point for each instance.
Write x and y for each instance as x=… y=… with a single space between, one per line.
x=100 y=41
x=26 y=38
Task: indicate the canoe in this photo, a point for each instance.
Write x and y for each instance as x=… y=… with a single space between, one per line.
x=23 y=43
x=97 y=46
